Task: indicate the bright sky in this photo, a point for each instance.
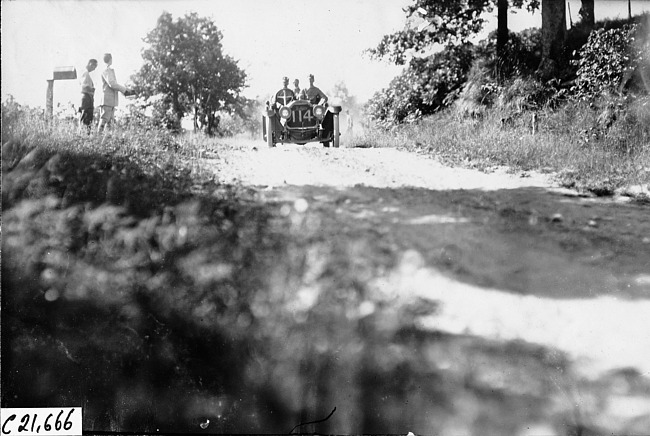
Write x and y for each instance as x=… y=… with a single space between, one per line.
x=270 y=39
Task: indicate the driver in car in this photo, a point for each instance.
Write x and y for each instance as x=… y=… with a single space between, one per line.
x=284 y=96
x=313 y=94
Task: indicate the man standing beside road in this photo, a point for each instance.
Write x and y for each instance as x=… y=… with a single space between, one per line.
x=110 y=89
x=350 y=123
x=313 y=94
x=87 y=106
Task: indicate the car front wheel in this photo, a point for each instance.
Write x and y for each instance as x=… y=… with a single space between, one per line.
x=269 y=132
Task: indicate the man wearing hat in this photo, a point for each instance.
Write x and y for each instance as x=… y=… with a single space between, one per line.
x=285 y=95
x=313 y=94
x=296 y=87
x=109 y=96
x=87 y=107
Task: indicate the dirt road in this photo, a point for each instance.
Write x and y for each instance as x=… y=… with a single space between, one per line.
x=509 y=260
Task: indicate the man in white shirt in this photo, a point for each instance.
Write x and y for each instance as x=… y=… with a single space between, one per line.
x=110 y=95
x=87 y=106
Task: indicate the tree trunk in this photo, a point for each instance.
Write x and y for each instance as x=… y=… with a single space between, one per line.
x=213 y=123
x=196 y=119
x=177 y=108
x=502 y=29
x=629 y=9
x=587 y=18
x=553 y=37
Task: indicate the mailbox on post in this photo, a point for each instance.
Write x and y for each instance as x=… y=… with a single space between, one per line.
x=64 y=73
x=60 y=73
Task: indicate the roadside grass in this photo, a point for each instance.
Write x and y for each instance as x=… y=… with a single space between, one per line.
x=600 y=148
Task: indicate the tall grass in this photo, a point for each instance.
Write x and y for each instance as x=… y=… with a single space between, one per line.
x=599 y=147
x=137 y=166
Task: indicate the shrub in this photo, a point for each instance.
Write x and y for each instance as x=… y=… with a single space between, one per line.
x=605 y=59
x=472 y=73
x=154 y=112
x=425 y=86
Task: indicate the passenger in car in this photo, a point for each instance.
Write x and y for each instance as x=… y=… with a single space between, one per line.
x=296 y=88
x=313 y=94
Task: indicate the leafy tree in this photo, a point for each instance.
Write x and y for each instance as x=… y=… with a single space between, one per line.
x=431 y=81
x=442 y=22
x=184 y=62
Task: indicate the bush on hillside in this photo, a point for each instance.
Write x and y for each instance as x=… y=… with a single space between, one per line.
x=424 y=87
x=473 y=73
x=476 y=79
x=607 y=59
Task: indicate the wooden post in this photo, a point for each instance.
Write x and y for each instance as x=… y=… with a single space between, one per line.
x=60 y=73
x=49 y=100
x=534 y=122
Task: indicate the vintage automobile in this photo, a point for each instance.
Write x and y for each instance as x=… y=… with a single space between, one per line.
x=289 y=119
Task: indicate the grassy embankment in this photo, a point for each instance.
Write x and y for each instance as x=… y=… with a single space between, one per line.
x=576 y=142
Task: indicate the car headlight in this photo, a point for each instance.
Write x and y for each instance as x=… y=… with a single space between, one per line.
x=285 y=112
x=319 y=111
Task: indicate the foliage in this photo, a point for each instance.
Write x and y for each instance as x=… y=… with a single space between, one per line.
x=572 y=140
x=185 y=63
x=16 y=115
x=529 y=94
x=605 y=59
x=446 y=22
x=472 y=72
x=154 y=111
x=503 y=82
x=426 y=85
x=522 y=54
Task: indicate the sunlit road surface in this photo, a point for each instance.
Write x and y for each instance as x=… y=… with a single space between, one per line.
x=607 y=331
x=255 y=164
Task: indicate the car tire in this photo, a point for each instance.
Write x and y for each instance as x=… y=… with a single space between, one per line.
x=269 y=133
x=326 y=144
x=337 y=132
